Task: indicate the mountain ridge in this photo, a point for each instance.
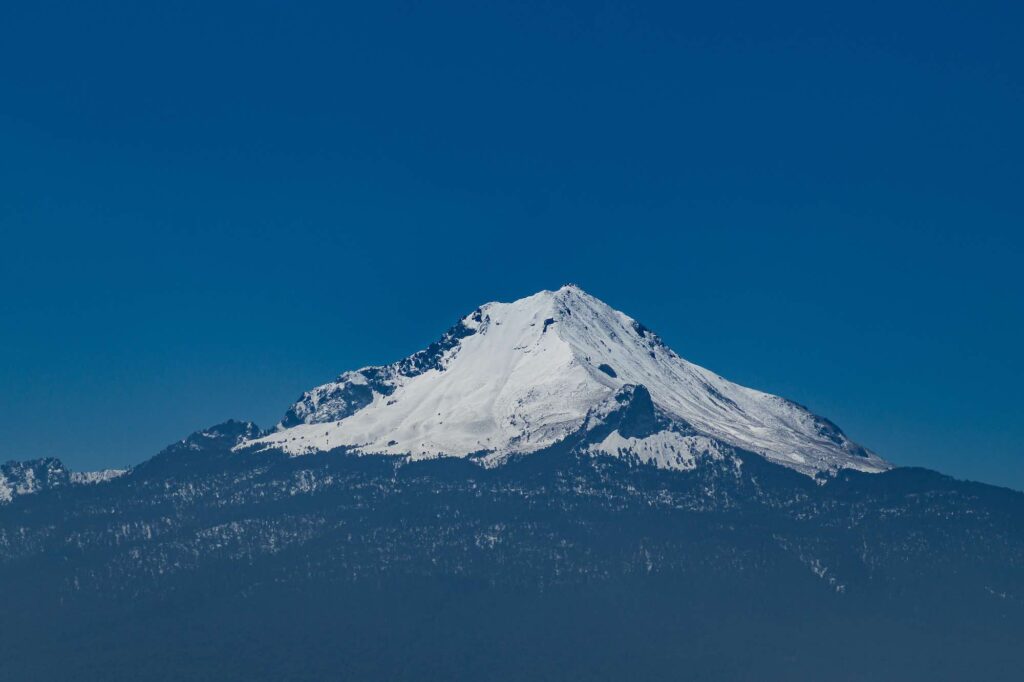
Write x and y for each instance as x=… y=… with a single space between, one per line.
x=27 y=477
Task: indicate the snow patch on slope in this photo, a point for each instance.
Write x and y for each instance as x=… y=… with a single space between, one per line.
x=665 y=449
x=94 y=477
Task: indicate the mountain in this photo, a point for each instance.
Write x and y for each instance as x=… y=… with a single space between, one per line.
x=515 y=378
x=32 y=476
x=547 y=492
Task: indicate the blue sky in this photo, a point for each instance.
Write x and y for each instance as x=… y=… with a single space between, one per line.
x=205 y=211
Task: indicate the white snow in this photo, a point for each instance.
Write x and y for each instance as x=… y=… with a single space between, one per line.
x=27 y=483
x=532 y=372
x=92 y=477
x=665 y=449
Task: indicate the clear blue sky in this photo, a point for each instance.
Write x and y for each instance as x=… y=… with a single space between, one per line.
x=205 y=211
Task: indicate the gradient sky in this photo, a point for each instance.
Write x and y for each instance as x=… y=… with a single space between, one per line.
x=205 y=212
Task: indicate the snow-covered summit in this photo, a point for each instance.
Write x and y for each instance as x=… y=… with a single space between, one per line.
x=514 y=378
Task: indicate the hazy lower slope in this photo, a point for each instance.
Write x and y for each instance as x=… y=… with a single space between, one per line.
x=206 y=562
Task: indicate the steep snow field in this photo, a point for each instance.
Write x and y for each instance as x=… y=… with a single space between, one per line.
x=518 y=377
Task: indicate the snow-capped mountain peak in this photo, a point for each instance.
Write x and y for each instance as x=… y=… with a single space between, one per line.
x=514 y=378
